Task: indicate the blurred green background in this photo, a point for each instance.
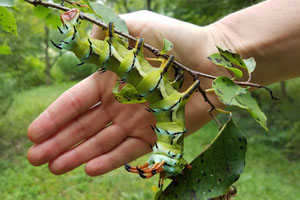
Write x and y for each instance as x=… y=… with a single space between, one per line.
x=33 y=73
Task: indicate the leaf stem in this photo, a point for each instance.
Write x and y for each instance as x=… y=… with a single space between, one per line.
x=209 y=90
x=223 y=111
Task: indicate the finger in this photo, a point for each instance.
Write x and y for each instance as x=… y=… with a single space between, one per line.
x=78 y=130
x=129 y=150
x=102 y=142
x=69 y=105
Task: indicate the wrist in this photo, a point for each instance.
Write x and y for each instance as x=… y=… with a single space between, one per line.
x=197 y=109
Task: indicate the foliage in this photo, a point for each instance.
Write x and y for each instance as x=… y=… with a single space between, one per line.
x=5 y=50
x=108 y=15
x=283 y=120
x=231 y=94
x=49 y=16
x=6 y=92
x=200 y=12
x=232 y=61
x=167 y=46
x=204 y=12
x=7 y=21
x=18 y=64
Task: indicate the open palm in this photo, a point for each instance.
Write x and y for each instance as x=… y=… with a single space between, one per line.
x=74 y=130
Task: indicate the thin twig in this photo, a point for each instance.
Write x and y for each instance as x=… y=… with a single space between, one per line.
x=212 y=106
x=147 y=46
x=103 y=25
x=46 y=4
x=258 y=86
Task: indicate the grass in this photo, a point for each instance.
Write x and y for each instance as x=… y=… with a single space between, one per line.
x=268 y=174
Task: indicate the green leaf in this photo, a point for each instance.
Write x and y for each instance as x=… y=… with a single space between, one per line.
x=231 y=94
x=53 y=20
x=88 y=1
x=7 y=3
x=236 y=59
x=167 y=46
x=214 y=170
x=108 y=15
x=7 y=21
x=218 y=59
x=250 y=63
x=127 y=95
x=158 y=194
x=5 y=50
x=41 y=11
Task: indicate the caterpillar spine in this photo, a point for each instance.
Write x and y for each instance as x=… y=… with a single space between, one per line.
x=167 y=104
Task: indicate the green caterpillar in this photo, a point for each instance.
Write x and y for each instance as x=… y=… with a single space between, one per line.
x=148 y=83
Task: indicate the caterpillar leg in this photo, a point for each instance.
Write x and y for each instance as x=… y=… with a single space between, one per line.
x=144 y=170
x=153 y=169
x=135 y=169
x=161 y=181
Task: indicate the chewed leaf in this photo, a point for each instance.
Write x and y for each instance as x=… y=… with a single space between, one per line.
x=236 y=59
x=127 y=95
x=231 y=94
x=167 y=46
x=220 y=60
x=107 y=14
x=214 y=170
x=7 y=21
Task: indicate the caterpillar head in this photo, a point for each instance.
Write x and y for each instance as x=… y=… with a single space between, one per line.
x=70 y=17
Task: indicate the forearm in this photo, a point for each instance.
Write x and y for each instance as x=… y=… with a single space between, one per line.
x=269 y=32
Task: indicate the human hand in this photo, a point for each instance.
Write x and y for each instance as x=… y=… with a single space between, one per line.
x=72 y=131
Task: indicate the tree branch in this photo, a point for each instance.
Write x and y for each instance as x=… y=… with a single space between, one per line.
x=103 y=25
x=147 y=46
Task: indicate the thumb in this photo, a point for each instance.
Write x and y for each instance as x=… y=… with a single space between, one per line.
x=140 y=24
x=97 y=32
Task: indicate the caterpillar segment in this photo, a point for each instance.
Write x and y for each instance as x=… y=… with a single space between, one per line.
x=166 y=102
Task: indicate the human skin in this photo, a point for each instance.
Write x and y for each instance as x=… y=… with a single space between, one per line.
x=269 y=32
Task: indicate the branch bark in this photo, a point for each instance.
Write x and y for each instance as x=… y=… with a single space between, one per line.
x=103 y=25
x=155 y=51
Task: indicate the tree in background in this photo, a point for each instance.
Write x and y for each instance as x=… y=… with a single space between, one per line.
x=200 y=12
